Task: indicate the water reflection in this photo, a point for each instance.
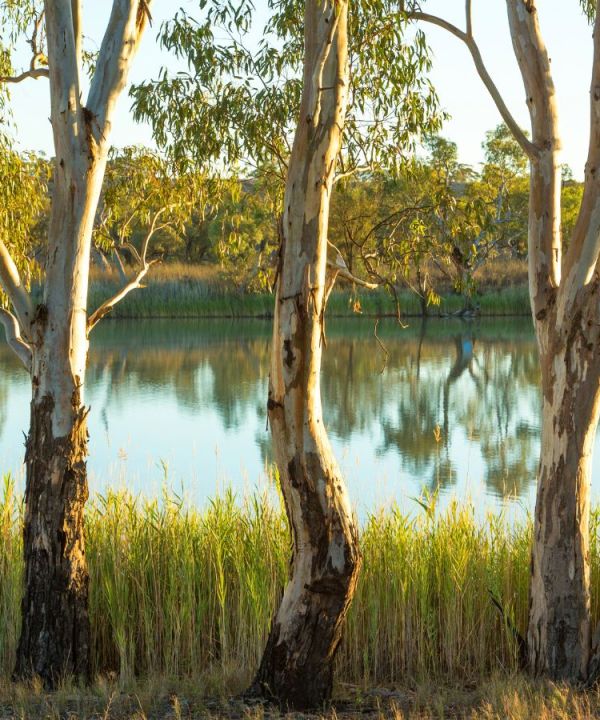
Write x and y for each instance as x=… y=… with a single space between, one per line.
x=456 y=406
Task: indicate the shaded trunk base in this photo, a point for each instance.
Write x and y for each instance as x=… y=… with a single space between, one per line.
x=289 y=684
x=296 y=670
x=55 y=636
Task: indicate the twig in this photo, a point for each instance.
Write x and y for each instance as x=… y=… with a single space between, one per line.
x=382 y=346
x=13 y=337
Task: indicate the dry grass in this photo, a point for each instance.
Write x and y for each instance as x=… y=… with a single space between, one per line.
x=501 y=698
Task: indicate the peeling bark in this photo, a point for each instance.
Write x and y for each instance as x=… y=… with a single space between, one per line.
x=54 y=640
x=565 y=302
x=55 y=637
x=297 y=665
x=559 y=634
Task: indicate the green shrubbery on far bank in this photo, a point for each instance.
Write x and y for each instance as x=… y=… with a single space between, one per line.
x=184 y=291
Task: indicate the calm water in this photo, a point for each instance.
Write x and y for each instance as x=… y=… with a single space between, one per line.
x=454 y=406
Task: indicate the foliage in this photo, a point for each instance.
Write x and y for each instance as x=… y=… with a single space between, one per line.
x=144 y=194
x=244 y=236
x=24 y=179
x=177 y=591
x=589 y=8
x=239 y=104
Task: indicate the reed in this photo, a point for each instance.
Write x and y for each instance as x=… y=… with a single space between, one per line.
x=176 y=290
x=184 y=592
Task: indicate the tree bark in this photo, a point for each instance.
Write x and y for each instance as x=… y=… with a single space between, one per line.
x=54 y=640
x=297 y=665
x=564 y=295
x=559 y=633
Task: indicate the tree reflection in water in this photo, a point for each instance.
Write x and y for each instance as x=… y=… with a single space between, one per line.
x=455 y=399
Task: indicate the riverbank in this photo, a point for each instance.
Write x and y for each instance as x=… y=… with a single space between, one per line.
x=179 y=291
x=183 y=592
x=504 y=697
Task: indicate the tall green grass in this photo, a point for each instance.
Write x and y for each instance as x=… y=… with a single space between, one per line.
x=191 y=295
x=186 y=592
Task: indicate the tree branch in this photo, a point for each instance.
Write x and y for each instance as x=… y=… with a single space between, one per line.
x=77 y=29
x=14 y=288
x=317 y=79
x=37 y=57
x=136 y=283
x=65 y=97
x=584 y=249
x=545 y=182
x=35 y=74
x=13 y=337
x=119 y=45
x=467 y=38
x=340 y=269
x=469 y=18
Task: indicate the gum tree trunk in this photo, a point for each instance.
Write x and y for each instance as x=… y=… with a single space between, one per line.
x=559 y=634
x=297 y=665
x=54 y=638
x=565 y=303
x=52 y=341
x=564 y=311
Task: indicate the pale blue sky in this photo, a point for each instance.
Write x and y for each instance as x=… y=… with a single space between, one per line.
x=567 y=34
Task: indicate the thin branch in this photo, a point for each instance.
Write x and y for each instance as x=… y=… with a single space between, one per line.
x=350 y=172
x=34 y=74
x=13 y=337
x=467 y=38
x=108 y=305
x=339 y=266
x=37 y=57
x=14 y=288
x=469 y=18
x=136 y=283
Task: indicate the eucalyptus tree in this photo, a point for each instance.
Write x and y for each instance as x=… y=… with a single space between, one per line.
x=24 y=202
x=333 y=83
x=52 y=335
x=235 y=108
x=564 y=291
x=147 y=205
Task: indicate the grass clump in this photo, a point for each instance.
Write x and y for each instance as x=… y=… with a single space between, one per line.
x=185 y=592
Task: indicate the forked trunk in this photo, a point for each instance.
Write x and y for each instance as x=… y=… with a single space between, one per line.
x=297 y=666
x=54 y=640
x=564 y=295
x=559 y=634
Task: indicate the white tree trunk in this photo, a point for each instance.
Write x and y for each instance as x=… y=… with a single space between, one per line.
x=559 y=633
x=566 y=310
x=54 y=638
x=297 y=666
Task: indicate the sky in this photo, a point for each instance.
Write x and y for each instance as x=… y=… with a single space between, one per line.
x=567 y=34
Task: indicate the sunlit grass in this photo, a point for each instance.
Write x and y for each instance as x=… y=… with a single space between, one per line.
x=184 y=592
x=177 y=292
